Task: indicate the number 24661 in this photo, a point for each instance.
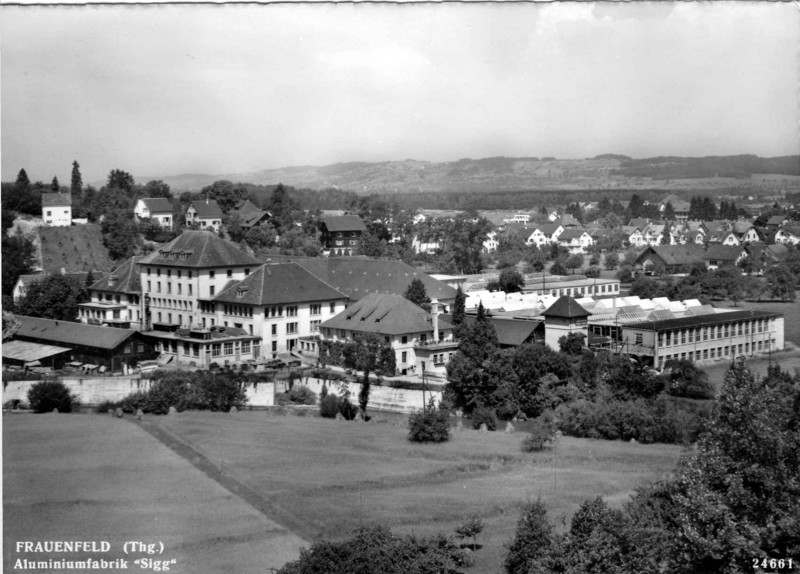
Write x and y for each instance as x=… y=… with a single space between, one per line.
x=773 y=563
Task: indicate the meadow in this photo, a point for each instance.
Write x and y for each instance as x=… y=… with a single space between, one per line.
x=94 y=478
x=324 y=478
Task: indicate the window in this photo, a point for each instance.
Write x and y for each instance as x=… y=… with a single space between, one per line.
x=291 y=311
x=333 y=307
x=149 y=286
x=211 y=274
x=158 y=271
x=158 y=286
x=49 y=214
x=230 y=273
x=291 y=328
x=404 y=357
x=404 y=339
x=169 y=287
x=316 y=309
x=216 y=350
x=187 y=348
x=638 y=338
x=212 y=290
x=245 y=346
x=274 y=346
x=274 y=329
x=315 y=326
x=229 y=348
x=190 y=288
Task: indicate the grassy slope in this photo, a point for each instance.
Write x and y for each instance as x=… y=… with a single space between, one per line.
x=334 y=476
x=75 y=248
x=88 y=477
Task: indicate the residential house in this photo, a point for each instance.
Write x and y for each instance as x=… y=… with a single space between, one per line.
x=204 y=214
x=195 y=265
x=776 y=222
x=57 y=209
x=523 y=218
x=424 y=246
x=568 y=220
x=575 y=239
x=159 y=209
x=491 y=243
x=672 y=258
x=679 y=207
x=281 y=304
x=745 y=232
x=787 y=235
x=249 y=215
x=404 y=326
x=634 y=235
x=341 y=235
x=716 y=256
x=92 y=347
x=115 y=298
x=766 y=255
x=357 y=277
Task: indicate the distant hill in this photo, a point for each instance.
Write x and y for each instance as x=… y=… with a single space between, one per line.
x=606 y=171
x=75 y=248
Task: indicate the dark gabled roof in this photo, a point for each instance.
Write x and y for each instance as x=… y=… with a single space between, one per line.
x=700 y=320
x=51 y=199
x=723 y=252
x=776 y=219
x=126 y=278
x=343 y=223
x=774 y=252
x=510 y=332
x=567 y=308
x=206 y=208
x=158 y=204
x=279 y=284
x=357 y=277
x=245 y=206
x=568 y=219
x=386 y=315
x=571 y=233
x=674 y=254
x=199 y=249
x=640 y=222
x=252 y=218
x=66 y=333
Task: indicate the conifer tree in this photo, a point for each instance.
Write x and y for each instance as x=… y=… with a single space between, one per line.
x=54 y=185
x=418 y=295
x=76 y=184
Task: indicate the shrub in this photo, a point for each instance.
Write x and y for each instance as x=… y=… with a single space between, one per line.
x=429 y=425
x=45 y=396
x=302 y=395
x=542 y=435
x=484 y=415
x=532 y=539
x=183 y=390
x=470 y=528
x=329 y=406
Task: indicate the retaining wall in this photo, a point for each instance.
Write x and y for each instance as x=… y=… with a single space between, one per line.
x=95 y=390
x=381 y=398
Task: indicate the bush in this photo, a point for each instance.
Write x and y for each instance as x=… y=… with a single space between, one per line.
x=484 y=415
x=302 y=395
x=542 y=435
x=184 y=390
x=45 y=396
x=429 y=425
x=329 y=406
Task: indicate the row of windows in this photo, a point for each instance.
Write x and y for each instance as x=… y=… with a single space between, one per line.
x=587 y=290
x=683 y=336
x=179 y=273
x=217 y=349
x=719 y=352
x=177 y=304
x=275 y=311
x=169 y=288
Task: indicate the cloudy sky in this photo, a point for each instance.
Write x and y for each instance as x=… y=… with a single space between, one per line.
x=165 y=90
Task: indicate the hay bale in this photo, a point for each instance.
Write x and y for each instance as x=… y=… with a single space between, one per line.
x=483 y=428
x=510 y=428
x=172 y=411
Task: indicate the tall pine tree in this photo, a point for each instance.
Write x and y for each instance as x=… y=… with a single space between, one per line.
x=54 y=186
x=76 y=184
x=418 y=295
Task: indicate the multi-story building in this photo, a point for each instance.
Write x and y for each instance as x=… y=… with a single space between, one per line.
x=341 y=235
x=204 y=214
x=159 y=209
x=281 y=304
x=57 y=209
x=195 y=265
x=408 y=329
x=115 y=299
x=721 y=335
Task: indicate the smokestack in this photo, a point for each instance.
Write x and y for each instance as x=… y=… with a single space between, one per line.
x=435 y=319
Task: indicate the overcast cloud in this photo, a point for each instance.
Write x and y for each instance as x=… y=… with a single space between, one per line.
x=201 y=89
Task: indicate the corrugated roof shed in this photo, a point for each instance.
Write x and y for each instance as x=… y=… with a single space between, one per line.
x=66 y=333
x=700 y=320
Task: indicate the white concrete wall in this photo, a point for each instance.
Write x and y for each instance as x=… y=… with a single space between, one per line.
x=381 y=398
x=93 y=391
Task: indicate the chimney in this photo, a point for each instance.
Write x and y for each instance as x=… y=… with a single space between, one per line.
x=435 y=319
x=112 y=279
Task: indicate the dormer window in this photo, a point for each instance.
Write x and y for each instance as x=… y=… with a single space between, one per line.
x=241 y=291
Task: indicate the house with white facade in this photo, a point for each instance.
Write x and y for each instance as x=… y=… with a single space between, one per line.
x=57 y=209
x=575 y=239
x=159 y=209
x=282 y=304
x=406 y=328
x=204 y=214
x=491 y=243
x=115 y=300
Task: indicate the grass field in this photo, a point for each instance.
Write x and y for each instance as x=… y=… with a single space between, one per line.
x=324 y=478
x=88 y=477
x=790 y=310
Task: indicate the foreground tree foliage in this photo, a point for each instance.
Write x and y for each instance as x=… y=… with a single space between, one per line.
x=418 y=295
x=376 y=550
x=429 y=425
x=54 y=297
x=734 y=499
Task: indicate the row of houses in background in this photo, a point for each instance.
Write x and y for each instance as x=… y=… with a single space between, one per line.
x=679 y=258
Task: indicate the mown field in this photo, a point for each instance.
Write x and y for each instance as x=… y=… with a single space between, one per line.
x=89 y=477
x=325 y=478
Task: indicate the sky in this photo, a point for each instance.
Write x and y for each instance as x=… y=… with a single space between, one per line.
x=167 y=90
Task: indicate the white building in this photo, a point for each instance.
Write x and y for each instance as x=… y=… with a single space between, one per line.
x=115 y=299
x=57 y=209
x=156 y=208
x=204 y=214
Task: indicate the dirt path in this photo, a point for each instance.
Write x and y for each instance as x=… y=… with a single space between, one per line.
x=272 y=509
